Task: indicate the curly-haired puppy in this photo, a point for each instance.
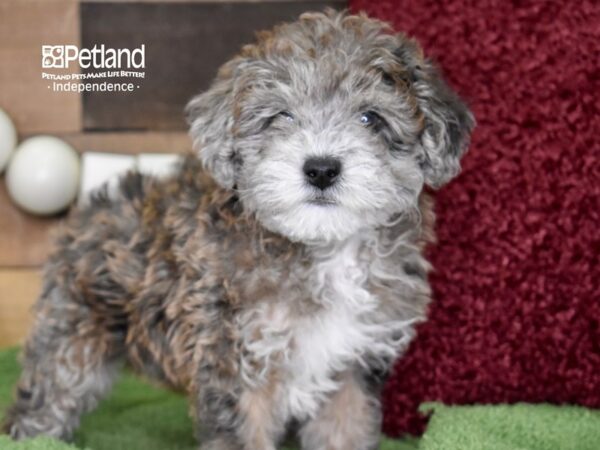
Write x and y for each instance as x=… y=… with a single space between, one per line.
x=278 y=286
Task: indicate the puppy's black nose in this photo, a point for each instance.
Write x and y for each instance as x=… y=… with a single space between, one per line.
x=322 y=172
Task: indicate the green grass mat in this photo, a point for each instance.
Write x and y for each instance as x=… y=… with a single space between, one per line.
x=511 y=427
x=137 y=416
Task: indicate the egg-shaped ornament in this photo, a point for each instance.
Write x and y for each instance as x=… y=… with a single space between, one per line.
x=43 y=175
x=8 y=139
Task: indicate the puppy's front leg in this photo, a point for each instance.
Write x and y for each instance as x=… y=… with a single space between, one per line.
x=239 y=422
x=350 y=420
x=232 y=415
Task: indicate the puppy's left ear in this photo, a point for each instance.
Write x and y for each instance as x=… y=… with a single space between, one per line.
x=210 y=116
x=448 y=120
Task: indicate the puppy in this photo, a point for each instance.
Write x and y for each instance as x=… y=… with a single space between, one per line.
x=278 y=285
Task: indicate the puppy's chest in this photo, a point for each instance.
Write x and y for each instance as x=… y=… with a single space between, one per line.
x=308 y=348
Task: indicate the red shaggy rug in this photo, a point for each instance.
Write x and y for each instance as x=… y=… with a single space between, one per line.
x=517 y=282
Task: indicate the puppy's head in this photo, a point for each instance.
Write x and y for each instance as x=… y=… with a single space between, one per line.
x=329 y=126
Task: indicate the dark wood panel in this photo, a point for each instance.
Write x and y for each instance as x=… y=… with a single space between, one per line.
x=185 y=44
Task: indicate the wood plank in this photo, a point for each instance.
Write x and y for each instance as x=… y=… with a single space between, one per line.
x=130 y=142
x=24 y=239
x=18 y=292
x=185 y=43
x=26 y=25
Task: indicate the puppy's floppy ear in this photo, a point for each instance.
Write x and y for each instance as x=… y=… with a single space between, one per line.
x=448 y=121
x=210 y=116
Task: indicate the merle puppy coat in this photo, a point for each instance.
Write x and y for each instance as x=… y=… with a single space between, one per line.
x=279 y=274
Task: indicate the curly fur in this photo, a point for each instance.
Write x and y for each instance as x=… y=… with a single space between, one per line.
x=277 y=306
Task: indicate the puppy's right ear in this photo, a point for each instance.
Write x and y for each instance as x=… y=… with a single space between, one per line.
x=447 y=119
x=210 y=116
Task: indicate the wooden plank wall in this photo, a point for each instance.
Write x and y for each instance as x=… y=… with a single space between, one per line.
x=26 y=25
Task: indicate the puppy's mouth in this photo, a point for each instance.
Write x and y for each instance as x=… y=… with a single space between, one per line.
x=321 y=200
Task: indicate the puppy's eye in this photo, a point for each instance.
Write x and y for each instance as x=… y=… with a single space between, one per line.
x=372 y=120
x=387 y=79
x=284 y=115
x=287 y=116
x=367 y=118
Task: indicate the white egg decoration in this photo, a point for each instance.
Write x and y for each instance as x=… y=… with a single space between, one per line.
x=43 y=175
x=8 y=139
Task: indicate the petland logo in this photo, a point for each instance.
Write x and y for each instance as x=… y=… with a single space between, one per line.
x=104 y=69
x=98 y=57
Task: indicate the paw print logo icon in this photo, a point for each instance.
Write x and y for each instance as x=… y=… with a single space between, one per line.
x=53 y=56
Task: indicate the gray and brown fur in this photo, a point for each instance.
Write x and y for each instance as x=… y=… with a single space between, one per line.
x=278 y=306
